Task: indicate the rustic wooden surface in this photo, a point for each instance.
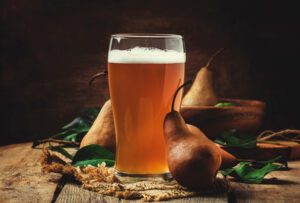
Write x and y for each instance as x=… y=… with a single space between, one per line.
x=75 y=194
x=21 y=180
x=280 y=186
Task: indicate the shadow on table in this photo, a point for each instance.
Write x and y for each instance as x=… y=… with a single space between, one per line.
x=276 y=181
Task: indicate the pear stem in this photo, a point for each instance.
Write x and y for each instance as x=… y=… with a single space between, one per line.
x=213 y=57
x=97 y=75
x=175 y=95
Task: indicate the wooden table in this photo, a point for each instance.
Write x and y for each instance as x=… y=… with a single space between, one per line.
x=21 y=180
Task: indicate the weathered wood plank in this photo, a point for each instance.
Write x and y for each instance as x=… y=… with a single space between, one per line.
x=21 y=179
x=74 y=193
x=206 y=199
x=279 y=186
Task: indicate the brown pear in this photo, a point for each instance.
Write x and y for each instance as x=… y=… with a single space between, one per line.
x=202 y=92
x=228 y=160
x=193 y=159
x=102 y=131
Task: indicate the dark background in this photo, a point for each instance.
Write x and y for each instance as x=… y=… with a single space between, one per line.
x=50 y=49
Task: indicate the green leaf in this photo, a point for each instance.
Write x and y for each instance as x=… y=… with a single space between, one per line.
x=234 y=139
x=71 y=137
x=77 y=128
x=61 y=150
x=78 y=124
x=227 y=171
x=90 y=114
x=224 y=104
x=91 y=153
x=72 y=123
x=60 y=134
x=253 y=172
x=95 y=162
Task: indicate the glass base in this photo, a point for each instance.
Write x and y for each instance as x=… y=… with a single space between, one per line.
x=130 y=178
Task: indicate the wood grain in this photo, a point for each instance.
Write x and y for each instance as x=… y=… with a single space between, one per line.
x=75 y=194
x=21 y=179
x=278 y=186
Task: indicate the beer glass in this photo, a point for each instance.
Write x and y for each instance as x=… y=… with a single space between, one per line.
x=144 y=72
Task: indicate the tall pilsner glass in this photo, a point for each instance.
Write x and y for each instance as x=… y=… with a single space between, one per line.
x=144 y=72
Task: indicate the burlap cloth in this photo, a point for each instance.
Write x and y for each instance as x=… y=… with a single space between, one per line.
x=103 y=180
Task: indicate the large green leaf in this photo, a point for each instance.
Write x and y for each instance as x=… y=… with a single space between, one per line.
x=235 y=139
x=93 y=155
x=90 y=155
x=77 y=128
x=253 y=172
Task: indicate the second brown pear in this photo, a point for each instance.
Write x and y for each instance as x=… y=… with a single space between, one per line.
x=202 y=91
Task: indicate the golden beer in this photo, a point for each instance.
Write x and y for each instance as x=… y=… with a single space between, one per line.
x=142 y=84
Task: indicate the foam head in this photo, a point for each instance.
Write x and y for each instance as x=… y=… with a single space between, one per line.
x=141 y=55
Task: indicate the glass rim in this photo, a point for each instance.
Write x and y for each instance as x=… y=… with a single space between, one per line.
x=146 y=35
